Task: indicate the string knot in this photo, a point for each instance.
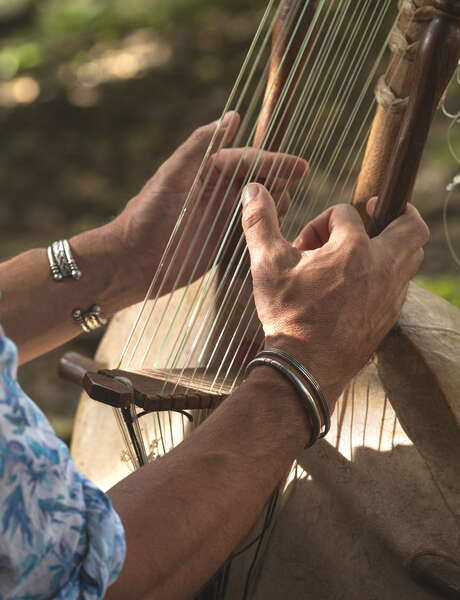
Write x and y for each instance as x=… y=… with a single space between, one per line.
x=387 y=99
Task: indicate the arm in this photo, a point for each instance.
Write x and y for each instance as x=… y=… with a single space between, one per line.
x=185 y=513
x=328 y=299
x=36 y=312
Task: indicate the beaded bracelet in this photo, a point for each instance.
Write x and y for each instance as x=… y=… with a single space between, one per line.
x=90 y=319
x=61 y=261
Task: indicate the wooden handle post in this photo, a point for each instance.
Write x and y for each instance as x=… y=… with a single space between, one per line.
x=425 y=48
x=436 y=62
x=74 y=366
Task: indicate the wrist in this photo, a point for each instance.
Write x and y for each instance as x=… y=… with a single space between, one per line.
x=105 y=269
x=138 y=259
x=330 y=385
x=278 y=402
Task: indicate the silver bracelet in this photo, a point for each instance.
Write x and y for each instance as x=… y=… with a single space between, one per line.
x=74 y=270
x=311 y=382
x=90 y=319
x=62 y=262
x=305 y=396
x=55 y=270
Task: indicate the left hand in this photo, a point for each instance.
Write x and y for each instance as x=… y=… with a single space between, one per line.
x=145 y=225
x=331 y=296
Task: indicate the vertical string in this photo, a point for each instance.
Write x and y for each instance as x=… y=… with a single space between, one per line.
x=304 y=191
x=260 y=88
x=126 y=358
x=251 y=174
x=301 y=130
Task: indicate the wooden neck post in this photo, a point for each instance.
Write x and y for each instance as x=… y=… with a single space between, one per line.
x=293 y=27
x=390 y=168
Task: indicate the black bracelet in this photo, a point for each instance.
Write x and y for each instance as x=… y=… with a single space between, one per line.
x=306 y=398
x=314 y=385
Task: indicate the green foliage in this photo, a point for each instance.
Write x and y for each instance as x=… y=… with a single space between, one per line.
x=17 y=58
x=447 y=287
x=61 y=30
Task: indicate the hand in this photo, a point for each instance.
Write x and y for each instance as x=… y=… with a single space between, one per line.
x=145 y=226
x=330 y=297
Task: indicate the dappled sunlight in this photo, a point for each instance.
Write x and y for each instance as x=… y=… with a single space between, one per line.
x=135 y=55
x=365 y=418
x=296 y=474
x=22 y=90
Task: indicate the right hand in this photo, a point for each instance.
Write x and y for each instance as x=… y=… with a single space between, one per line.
x=144 y=227
x=331 y=296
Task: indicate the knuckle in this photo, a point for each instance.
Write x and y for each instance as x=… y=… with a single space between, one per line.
x=357 y=248
x=424 y=232
x=360 y=242
x=420 y=229
x=416 y=262
x=281 y=258
x=348 y=208
x=342 y=206
x=252 y=215
x=201 y=132
x=270 y=260
x=199 y=135
x=345 y=209
x=388 y=266
x=261 y=262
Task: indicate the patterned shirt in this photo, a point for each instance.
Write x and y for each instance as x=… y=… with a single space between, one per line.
x=59 y=535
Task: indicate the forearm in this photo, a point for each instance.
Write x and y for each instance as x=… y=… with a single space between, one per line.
x=185 y=513
x=36 y=311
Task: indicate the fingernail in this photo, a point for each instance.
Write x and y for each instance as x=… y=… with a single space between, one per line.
x=250 y=192
x=370 y=206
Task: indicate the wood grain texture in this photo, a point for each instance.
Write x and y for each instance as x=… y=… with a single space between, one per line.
x=387 y=122
x=436 y=62
x=147 y=392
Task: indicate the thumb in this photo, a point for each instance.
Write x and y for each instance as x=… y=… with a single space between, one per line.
x=260 y=220
x=219 y=132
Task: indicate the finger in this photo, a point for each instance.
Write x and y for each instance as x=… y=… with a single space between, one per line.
x=336 y=224
x=315 y=234
x=275 y=168
x=220 y=132
x=260 y=220
x=345 y=222
x=405 y=234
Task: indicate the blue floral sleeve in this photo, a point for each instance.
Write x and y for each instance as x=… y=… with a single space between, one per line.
x=59 y=535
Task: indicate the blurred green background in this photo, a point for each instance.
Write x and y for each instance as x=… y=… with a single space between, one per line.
x=95 y=94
